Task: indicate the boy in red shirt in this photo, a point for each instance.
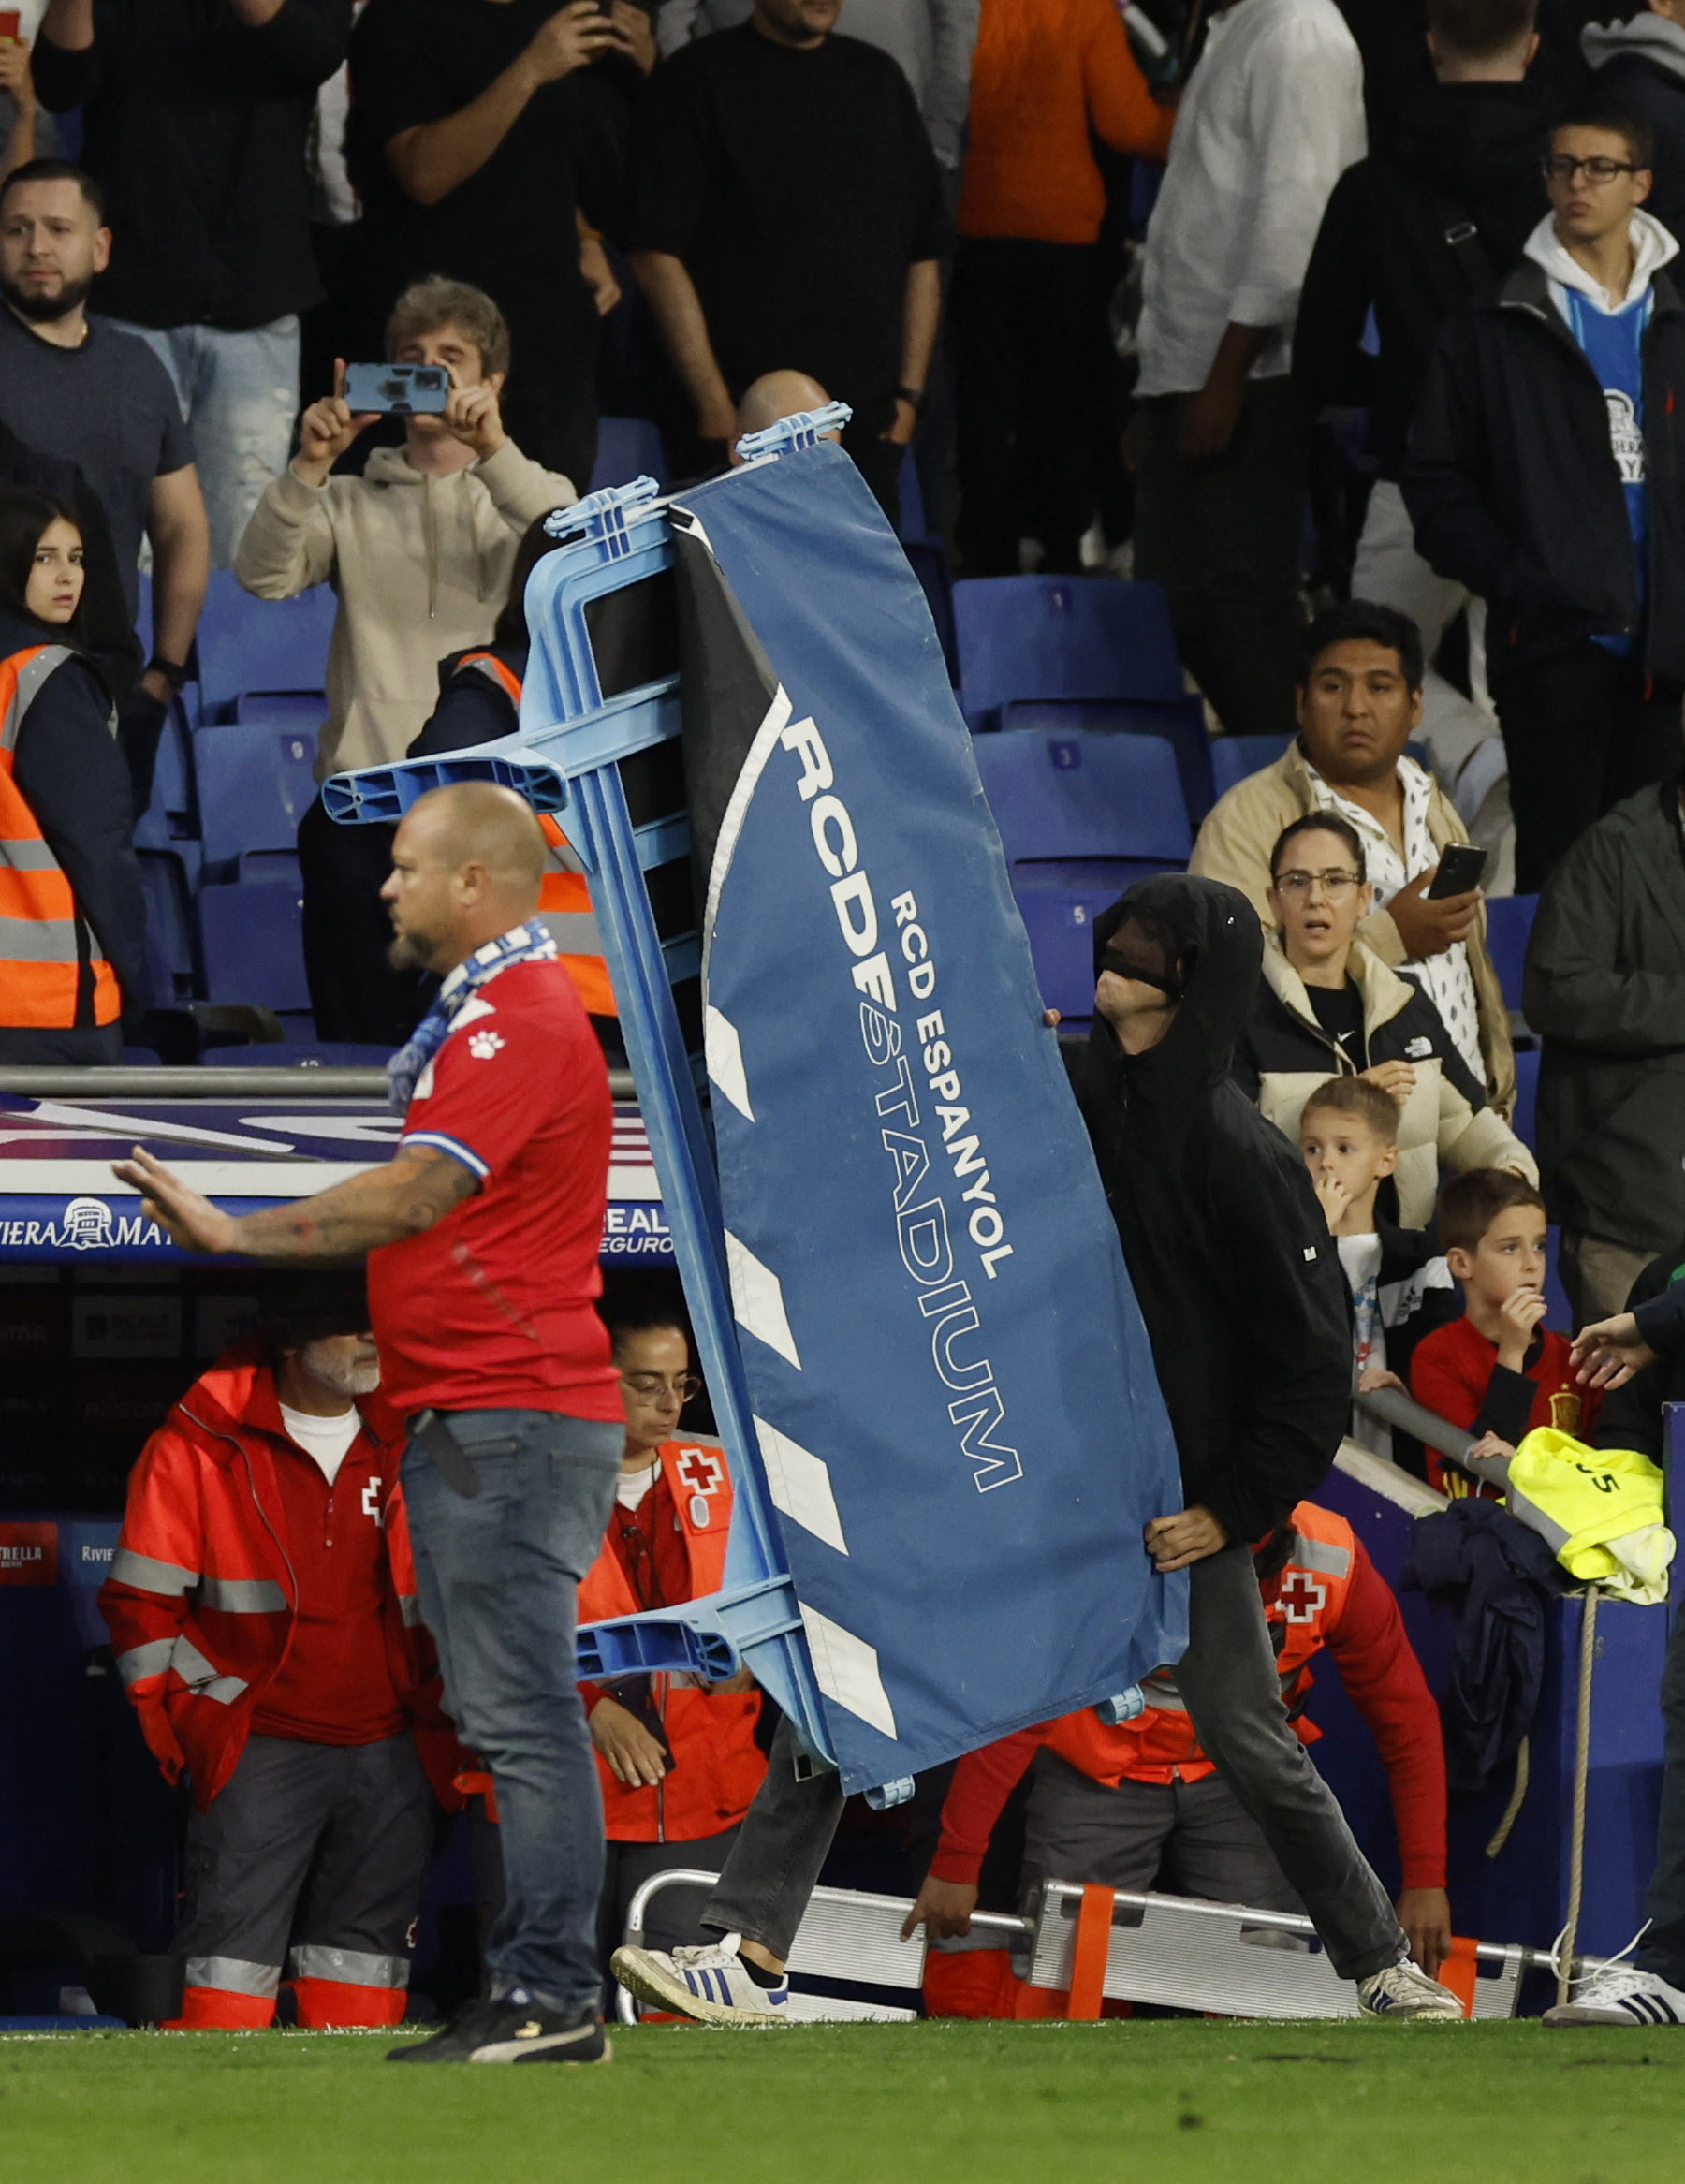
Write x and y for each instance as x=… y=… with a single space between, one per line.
x=1497 y=1371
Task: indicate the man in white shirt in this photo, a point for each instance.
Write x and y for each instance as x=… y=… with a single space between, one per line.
x=1272 y=116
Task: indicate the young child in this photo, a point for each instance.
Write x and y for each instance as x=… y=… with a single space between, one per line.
x=1499 y=1370
x=1348 y=1133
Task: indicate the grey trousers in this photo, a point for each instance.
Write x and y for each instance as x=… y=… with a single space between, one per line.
x=1184 y=1839
x=1234 y=1698
x=1228 y=1678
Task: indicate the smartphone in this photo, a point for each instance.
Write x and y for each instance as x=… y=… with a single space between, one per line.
x=1461 y=866
x=399 y=390
x=12 y=24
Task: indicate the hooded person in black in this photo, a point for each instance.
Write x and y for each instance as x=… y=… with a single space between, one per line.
x=1249 y=1318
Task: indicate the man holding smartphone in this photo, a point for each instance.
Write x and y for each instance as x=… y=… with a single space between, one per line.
x=1360 y=702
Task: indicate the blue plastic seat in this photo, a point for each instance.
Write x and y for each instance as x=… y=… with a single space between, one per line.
x=1060 y=636
x=1525 y=1120
x=308 y=1053
x=246 y=644
x=1509 y=928
x=1236 y=757
x=291 y=708
x=1064 y=796
x=627 y=447
x=1178 y=721
x=169 y=970
x=252 y=945
x=927 y=559
x=256 y=782
x=1081 y=818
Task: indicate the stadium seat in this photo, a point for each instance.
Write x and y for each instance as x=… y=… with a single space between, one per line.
x=1060 y=636
x=256 y=782
x=1509 y=927
x=1081 y=818
x=1236 y=757
x=928 y=560
x=1179 y=721
x=307 y=1054
x=167 y=818
x=246 y=644
x=251 y=942
x=164 y=884
x=1073 y=797
x=627 y=447
x=292 y=708
x=1527 y=1095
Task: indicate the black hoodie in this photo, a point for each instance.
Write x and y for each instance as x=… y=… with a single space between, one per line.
x=1468 y=150
x=1238 y=1281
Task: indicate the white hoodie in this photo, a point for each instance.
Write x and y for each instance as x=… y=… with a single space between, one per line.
x=1653 y=249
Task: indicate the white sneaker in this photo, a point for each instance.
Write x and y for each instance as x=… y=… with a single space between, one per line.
x=711 y=1983
x=1404 y=1990
x=1621 y=1994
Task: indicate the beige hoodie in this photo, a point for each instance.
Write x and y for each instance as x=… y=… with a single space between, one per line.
x=422 y=565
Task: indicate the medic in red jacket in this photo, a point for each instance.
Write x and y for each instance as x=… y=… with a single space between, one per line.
x=678 y=1760
x=262 y=1605
x=1320 y=1589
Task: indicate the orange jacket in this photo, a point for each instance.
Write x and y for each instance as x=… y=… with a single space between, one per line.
x=40 y=968
x=201 y=1595
x=717 y=1765
x=1044 y=75
x=564 y=893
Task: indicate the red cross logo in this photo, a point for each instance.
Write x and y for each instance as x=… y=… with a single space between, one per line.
x=1301 y=1597
x=701 y=1471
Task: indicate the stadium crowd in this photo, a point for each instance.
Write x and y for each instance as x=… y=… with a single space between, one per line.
x=1353 y=330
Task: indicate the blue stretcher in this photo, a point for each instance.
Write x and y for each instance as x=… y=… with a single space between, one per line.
x=567 y=757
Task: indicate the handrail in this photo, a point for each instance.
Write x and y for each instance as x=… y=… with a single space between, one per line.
x=299 y=1081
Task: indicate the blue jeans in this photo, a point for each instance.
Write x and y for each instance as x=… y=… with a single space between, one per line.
x=238 y=393
x=497 y=1573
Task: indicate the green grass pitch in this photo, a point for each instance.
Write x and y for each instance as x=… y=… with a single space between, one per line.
x=1166 y=2102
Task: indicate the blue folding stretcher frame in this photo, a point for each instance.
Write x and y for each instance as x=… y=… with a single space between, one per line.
x=571 y=740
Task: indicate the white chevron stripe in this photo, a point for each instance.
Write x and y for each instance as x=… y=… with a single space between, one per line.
x=725 y=1053
x=800 y=1485
x=757 y=1299
x=846 y=1668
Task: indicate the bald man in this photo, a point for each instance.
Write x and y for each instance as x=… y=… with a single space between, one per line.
x=482 y=1235
x=776 y=395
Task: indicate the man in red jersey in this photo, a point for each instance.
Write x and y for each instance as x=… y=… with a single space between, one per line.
x=482 y=1234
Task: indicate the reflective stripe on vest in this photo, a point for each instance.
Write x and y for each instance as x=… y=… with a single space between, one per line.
x=563 y=894
x=146 y=1575
x=41 y=975
x=200 y=1676
x=244 y=1595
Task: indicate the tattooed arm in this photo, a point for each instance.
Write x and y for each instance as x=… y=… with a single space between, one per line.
x=406 y=1198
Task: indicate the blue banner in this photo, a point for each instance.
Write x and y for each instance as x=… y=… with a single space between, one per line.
x=955 y=1401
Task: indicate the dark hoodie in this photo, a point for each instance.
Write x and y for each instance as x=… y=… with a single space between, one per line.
x=1461 y=150
x=1238 y=1281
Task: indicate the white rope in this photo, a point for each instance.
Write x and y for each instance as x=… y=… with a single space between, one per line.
x=1582 y=1768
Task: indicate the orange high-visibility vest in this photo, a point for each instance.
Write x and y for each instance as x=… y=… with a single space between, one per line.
x=1302 y=1607
x=563 y=894
x=711 y=1733
x=40 y=974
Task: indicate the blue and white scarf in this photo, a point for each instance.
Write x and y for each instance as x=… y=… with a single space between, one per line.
x=530 y=942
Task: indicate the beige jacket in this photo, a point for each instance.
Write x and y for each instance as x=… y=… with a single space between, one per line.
x=422 y=565
x=1235 y=843
x=1436 y=1126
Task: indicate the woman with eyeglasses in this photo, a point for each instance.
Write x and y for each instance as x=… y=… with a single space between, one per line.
x=1328 y=1006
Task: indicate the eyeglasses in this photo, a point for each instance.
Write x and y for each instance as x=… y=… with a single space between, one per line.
x=651 y=1386
x=1333 y=884
x=1599 y=172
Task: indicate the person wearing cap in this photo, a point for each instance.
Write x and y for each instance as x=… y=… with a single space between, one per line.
x=262 y=1608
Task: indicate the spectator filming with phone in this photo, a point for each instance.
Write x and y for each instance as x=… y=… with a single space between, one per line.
x=418 y=548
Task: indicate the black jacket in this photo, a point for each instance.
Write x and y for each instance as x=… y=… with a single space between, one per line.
x=197 y=126
x=1630 y=1416
x=1512 y=485
x=1606 y=991
x=1463 y=151
x=1238 y=1282
x=70 y=771
x=1651 y=87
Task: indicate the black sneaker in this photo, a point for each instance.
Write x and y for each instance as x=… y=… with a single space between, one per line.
x=515 y=2029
